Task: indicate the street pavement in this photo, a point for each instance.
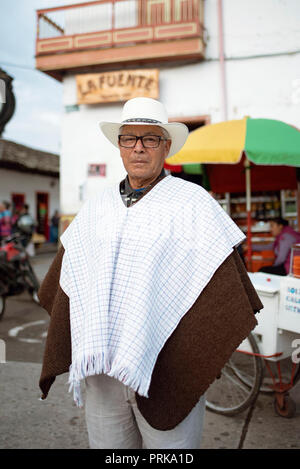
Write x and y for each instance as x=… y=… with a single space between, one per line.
x=26 y=422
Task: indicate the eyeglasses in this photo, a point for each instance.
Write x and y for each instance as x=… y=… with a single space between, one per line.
x=148 y=141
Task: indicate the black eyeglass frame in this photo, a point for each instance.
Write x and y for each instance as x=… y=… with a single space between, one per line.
x=159 y=137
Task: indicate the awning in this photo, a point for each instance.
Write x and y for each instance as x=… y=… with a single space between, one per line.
x=231 y=177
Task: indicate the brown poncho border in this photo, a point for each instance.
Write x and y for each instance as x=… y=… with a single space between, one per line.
x=220 y=319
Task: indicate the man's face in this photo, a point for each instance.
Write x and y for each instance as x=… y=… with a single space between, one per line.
x=144 y=164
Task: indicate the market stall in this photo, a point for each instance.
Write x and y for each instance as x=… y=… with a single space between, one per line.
x=264 y=151
x=268 y=360
x=273 y=194
x=272 y=150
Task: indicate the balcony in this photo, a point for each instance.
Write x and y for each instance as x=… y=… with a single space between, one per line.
x=105 y=34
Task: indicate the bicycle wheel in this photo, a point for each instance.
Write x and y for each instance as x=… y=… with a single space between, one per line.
x=239 y=382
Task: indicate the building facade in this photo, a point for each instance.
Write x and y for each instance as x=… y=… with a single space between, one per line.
x=31 y=177
x=207 y=61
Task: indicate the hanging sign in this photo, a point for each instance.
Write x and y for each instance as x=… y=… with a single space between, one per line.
x=117 y=86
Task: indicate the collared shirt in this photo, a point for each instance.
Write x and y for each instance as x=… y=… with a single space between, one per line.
x=130 y=195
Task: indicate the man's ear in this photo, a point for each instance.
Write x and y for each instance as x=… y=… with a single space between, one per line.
x=167 y=147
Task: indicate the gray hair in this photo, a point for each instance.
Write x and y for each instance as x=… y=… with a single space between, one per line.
x=165 y=134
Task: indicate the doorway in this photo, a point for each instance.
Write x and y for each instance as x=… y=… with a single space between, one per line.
x=18 y=201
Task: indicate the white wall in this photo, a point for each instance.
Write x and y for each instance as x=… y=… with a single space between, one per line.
x=83 y=144
x=262 y=70
x=29 y=184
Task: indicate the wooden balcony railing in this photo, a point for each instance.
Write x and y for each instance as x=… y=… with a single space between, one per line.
x=107 y=31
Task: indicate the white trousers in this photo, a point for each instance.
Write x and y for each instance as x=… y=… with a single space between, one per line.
x=114 y=421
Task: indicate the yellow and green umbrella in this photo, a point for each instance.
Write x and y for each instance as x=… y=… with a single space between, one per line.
x=263 y=141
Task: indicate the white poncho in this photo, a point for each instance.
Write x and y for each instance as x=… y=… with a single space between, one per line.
x=132 y=273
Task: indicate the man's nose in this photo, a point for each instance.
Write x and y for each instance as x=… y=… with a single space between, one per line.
x=139 y=146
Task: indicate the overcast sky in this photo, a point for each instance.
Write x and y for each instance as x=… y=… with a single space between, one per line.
x=37 y=118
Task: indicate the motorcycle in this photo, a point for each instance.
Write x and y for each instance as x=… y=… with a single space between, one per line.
x=16 y=272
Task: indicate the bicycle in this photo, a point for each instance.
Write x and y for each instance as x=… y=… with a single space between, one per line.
x=270 y=345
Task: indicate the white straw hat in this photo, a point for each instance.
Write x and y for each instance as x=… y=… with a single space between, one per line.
x=147 y=111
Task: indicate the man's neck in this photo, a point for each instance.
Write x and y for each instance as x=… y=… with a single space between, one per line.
x=137 y=183
x=140 y=183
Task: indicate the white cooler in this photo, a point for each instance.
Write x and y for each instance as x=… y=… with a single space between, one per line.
x=279 y=320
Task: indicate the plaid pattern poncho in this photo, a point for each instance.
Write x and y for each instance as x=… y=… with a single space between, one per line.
x=156 y=258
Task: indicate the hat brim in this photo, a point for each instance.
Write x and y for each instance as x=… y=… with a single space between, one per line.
x=178 y=133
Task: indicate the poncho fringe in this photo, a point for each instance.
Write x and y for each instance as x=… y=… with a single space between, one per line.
x=95 y=365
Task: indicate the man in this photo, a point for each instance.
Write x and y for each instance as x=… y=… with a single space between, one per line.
x=155 y=293
x=54 y=227
x=25 y=225
x=5 y=220
x=284 y=238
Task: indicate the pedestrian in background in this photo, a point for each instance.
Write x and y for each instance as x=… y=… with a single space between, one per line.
x=14 y=219
x=54 y=227
x=25 y=225
x=285 y=236
x=5 y=220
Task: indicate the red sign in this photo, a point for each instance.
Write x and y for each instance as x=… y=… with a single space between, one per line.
x=97 y=170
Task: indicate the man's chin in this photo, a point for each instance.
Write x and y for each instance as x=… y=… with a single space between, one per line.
x=140 y=172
